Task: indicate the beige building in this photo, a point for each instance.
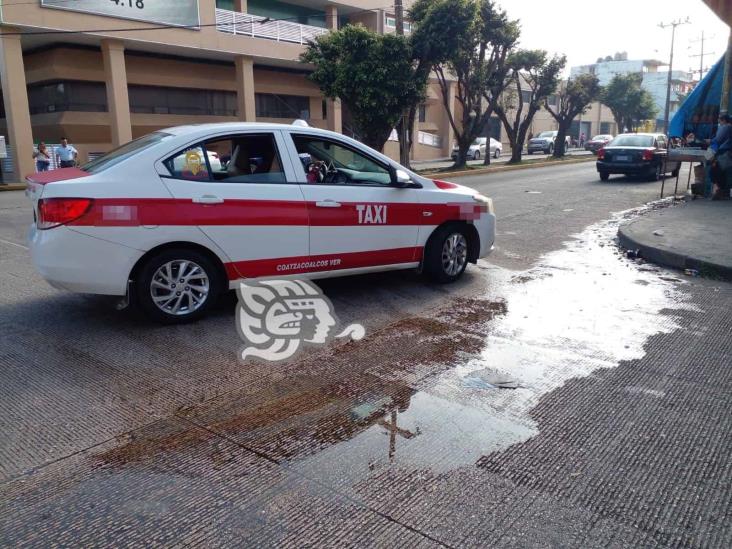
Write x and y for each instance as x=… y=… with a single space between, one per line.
x=102 y=72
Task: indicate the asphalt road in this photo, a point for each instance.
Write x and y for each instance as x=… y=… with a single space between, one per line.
x=558 y=395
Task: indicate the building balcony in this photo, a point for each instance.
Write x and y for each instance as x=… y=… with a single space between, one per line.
x=244 y=24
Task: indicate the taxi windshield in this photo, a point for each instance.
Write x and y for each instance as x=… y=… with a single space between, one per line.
x=125 y=151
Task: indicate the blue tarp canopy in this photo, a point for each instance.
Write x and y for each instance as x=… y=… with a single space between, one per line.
x=700 y=111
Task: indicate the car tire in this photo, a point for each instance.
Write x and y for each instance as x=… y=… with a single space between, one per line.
x=476 y=156
x=446 y=253
x=497 y=154
x=191 y=302
x=604 y=176
x=529 y=152
x=550 y=150
x=656 y=174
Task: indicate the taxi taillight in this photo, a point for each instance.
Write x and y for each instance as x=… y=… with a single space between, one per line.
x=601 y=154
x=53 y=212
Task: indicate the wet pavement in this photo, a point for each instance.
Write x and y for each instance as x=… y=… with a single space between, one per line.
x=559 y=395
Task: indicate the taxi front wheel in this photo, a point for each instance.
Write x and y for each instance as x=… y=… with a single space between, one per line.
x=177 y=286
x=446 y=254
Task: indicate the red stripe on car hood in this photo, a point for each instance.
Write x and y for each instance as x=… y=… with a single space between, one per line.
x=61 y=174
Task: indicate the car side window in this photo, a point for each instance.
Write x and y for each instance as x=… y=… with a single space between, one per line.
x=189 y=164
x=328 y=162
x=242 y=158
x=245 y=158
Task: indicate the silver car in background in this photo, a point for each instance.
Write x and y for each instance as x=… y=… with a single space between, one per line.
x=478 y=149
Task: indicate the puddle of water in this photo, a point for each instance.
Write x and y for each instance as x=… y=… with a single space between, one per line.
x=583 y=308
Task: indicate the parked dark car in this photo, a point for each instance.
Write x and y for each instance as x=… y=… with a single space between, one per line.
x=636 y=154
x=598 y=142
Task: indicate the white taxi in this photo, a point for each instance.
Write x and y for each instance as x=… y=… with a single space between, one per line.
x=158 y=221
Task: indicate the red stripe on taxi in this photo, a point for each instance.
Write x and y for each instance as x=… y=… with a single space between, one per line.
x=318 y=263
x=123 y=212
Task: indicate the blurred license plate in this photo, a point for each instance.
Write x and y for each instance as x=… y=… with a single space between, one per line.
x=623 y=158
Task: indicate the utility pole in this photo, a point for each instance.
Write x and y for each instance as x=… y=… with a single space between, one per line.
x=702 y=54
x=404 y=138
x=673 y=25
x=399 y=12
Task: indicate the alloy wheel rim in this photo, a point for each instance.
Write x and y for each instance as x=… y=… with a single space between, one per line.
x=179 y=287
x=454 y=254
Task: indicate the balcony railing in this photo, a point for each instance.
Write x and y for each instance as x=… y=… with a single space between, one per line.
x=234 y=22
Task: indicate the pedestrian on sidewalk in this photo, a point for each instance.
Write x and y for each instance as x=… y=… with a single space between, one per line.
x=42 y=157
x=66 y=154
x=722 y=161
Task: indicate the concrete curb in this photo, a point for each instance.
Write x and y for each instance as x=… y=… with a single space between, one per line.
x=12 y=187
x=668 y=258
x=507 y=168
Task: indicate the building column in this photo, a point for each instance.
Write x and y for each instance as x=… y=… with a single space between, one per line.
x=15 y=98
x=334 y=115
x=118 y=101
x=245 y=89
x=415 y=138
x=240 y=6
x=446 y=132
x=333 y=107
x=331 y=17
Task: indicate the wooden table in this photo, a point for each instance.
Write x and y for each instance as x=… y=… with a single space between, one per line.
x=681 y=155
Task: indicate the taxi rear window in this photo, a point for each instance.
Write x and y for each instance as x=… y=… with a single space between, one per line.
x=124 y=152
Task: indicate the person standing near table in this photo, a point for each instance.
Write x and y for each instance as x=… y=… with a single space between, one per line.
x=42 y=157
x=66 y=154
x=722 y=162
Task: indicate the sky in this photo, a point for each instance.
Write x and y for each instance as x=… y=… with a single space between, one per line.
x=584 y=30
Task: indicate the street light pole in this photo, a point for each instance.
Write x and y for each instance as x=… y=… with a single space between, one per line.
x=673 y=25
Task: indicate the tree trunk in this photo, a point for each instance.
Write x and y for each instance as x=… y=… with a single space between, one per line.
x=516 y=153
x=405 y=141
x=462 y=156
x=561 y=142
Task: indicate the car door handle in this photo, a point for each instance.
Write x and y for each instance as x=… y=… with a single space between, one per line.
x=208 y=199
x=328 y=204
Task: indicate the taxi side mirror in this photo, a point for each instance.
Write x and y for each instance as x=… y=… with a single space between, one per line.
x=401 y=179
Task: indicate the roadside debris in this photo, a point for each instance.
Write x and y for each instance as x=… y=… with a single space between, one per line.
x=633 y=254
x=691 y=272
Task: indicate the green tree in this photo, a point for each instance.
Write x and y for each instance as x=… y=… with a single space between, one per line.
x=532 y=77
x=372 y=74
x=481 y=41
x=574 y=99
x=628 y=101
x=437 y=30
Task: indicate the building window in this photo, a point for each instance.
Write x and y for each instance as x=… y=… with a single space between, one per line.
x=168 y=100
x=606 y=128
x=390 y=22
x=525 y=96
x=283 y=11
x=422 y=113
x=270 y=105
x=68 y=95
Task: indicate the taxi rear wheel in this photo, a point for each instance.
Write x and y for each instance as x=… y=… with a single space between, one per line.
x=178 y=286
x=446 y=253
